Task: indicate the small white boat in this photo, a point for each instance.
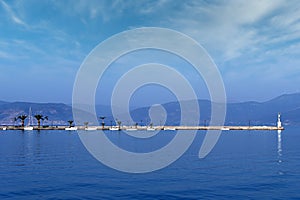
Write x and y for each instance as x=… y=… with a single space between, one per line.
x=114 y=128
x=71 y=128
x=169 y=129
x=90 y=128
x=150 y=129
x=28 y=128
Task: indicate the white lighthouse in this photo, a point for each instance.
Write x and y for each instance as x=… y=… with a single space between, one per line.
x=279 y=121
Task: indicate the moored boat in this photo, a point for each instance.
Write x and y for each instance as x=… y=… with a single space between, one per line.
x=28 y=128
x=71 y=128
x=169 y=129
x=150 y=129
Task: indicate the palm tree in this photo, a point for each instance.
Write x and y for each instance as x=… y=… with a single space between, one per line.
x=119 y=124
x=103 y=123
x=39 y=118
x=22 y=118
x=70 y=123
x=151 y=125
x=45 y=118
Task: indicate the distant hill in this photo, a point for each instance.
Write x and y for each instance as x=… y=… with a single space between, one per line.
x=58 y=113
x=288 y=105
x=255 y=113
x=2 y=102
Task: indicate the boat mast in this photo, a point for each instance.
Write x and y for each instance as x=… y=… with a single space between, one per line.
x=29 y=117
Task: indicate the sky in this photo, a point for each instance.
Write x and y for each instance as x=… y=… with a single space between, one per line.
x=255 y=44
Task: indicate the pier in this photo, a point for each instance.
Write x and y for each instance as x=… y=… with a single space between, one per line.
x=136 y=127
x=147 y=128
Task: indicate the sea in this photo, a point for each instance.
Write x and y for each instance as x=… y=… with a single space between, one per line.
x=242 y=165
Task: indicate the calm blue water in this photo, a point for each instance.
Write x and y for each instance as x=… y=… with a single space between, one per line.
x=243 y=165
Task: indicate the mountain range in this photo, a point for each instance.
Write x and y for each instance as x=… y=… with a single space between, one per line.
x=244 y=113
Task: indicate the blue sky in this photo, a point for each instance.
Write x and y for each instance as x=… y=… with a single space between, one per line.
x=255 y=44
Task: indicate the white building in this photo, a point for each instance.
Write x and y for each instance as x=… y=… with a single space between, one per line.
x=278 y=121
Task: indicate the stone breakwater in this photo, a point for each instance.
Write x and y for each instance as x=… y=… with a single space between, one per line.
x=147 y=128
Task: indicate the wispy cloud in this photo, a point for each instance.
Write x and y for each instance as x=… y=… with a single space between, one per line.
x=12 y=14
x=4 y=55
x=243 y=37
x=229 y=28
x=152 y=6
x=88 y=10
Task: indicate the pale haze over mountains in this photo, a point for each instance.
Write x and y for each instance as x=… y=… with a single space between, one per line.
x=255 y=113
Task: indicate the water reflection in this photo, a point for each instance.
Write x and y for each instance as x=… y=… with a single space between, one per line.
x=279 y=151
x=279 y=147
